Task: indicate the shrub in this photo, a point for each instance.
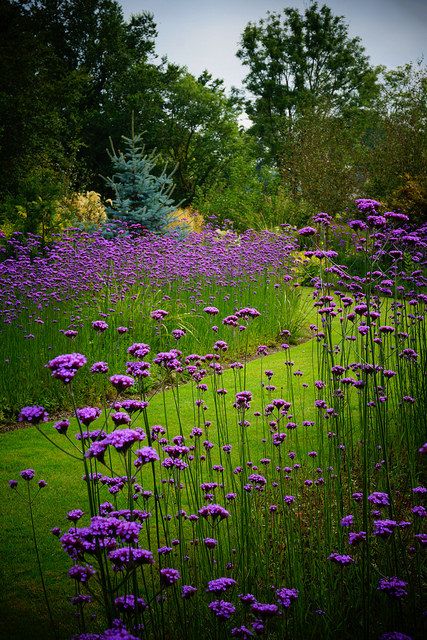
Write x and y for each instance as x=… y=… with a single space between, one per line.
x=140 y=196
x=84 y=208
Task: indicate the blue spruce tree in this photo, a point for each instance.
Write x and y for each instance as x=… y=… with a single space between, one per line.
x=140 y=196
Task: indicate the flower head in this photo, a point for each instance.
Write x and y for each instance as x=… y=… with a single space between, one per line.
x=33 y=414
x=168 y=576
x=65 y=367
x=222 y=609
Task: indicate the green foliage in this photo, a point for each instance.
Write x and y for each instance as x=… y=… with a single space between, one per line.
x=36 y=209
x=36 y=100
x=140 y=196
x=189 y=121
x=394 y=157
x=251 y=195
x=58 y=61
x=411 y=197
x=317 y=161
x=299 y=61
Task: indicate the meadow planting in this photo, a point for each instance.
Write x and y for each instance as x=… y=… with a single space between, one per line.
x=211 y=449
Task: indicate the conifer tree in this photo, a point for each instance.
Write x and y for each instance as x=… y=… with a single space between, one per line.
x=140 y=196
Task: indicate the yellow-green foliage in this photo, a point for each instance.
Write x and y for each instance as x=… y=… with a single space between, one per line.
x=188 y=217
x=85 y=208
x=306 y=268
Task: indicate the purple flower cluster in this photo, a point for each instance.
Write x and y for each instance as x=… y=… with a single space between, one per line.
x=65 y=367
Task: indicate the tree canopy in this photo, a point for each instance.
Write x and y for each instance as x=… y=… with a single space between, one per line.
x=298 y=62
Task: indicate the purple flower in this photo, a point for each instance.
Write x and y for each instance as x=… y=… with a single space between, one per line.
x=248 y=312
x=395 y=635
x=222 y=609
x=159 y=314
x=65 y=367
x=81 y=573
x=423 y=449
x=419 y=490
x=178 y=333
x=211 y=311
x=322 y=218
x=121 y=383
x=264 y=610
x=128 y=557
x=139 y=369
x=342 y=560
x=130 y=603
x=393 y=587
x=286 y=596
x=86 y=415
x=262 y=350
x=62 y=426
x=213 y=511
x=74 y=515
x=122 y=330
x=210 y=543
x=163 y=551
x=33 y=414
x=347 y=521
x=139 y=349
x=307 y=231
x=13 y=484
x=188 y=591
x=146 y=455
x=356 y=537
x=421 y=538
x=131 y=406
x=379 y=498
x=231 y=321
x=220 y=585
x=168 y=576
x=409 y=354
x=247 y=598
x=419 y=511
x=257 y=479
x=99 y=325
x=99 y=367
x=367 y=205
x=357 y=225
x=384 y=528
x=120 y=418
x=243 y=399
x=70 y=333
x=121 y=440
x=27 y=474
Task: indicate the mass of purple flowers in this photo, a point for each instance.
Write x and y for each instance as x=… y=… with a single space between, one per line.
x=210 y=506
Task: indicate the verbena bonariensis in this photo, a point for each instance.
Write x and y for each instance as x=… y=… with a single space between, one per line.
x=292 y=510
x=84 y=284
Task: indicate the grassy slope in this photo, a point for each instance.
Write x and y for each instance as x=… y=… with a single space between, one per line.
x=22 y=600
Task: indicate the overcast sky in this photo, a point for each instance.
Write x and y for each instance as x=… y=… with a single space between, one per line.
x=204 y=34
